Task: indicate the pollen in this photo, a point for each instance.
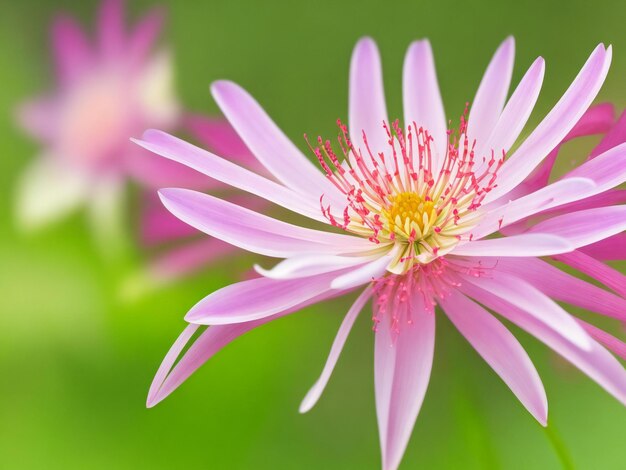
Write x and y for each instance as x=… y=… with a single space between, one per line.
x=409 y=215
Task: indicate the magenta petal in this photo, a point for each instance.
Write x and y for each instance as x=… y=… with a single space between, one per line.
x=531 y=244
x=367 y=108
x=422 y=98
x=71 y=49
x=111 y=27
x=611 y=248
x=253 y=231
x=615 y=136
x=606 y=275
x=145 y=34
x=499 y=348
x=402 y=368
x=315 y=392
x=616 y=346
x=596 y=362
x=492 y=91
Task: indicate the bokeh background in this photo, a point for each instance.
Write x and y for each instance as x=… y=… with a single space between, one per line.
x=77 y=354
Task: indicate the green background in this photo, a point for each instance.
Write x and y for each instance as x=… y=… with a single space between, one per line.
x=76 y=357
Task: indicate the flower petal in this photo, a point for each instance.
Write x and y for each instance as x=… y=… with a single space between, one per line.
x=257 y=298
x=71 y=49
x=492 y=91
x=556 y=124
x=401 y=372
x=526 y=244
x=111 y=27
x=316 y=390
x=596 y=361
x=606 y=275
x=528 y=298
x=611 y=248
x=223 y=170
x=367 y=108
x=253 y=231
x=310 y=265
x=269 y=145
x=422 y=98
x=499 y=348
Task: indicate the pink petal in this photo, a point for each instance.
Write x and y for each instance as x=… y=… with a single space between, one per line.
x=222 y=170
x=71 y=49
x=309 y=265
x=491 y=95
x=526 y=244
x=401 y=372
x=362 y=275
x=213 y=339
x=611 y=248
x=528 y=298
x=584 y=227
x=499 y=348
x=38 y=118
x=606 y=275
x=367 y=108
x=253 y=231
x=555 y=194
x=220 y=137
x=316 y=390
x=596 y=362
x=422 y=98
x=615 y=136
x=564 y=287
x=269 y=145
x=257 y=298
x=111 y=27
x=610 y=342
x=556 y=125
x=516 y=112
x=145 y=34
x=606 y=170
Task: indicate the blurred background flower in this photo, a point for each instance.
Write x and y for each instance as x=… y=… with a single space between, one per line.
x=77 y=362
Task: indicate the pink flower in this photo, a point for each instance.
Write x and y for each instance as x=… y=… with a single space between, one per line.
x=106 y=91
x=425 y=213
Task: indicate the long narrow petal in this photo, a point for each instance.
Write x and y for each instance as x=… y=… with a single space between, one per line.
x=556 y=194
x=111 y=34
x=253 y=231
x=531 y=300
x=316 y=390
x=401 y=372
x=499 y=348
x=170 y=376
x=422 y=98
x=310 y=265
x=367 y=108
x=556 y=124
x=516 y=112
x=492 y=91
x=611 y=248
x=606 y=275
x=564 y=287
x=257 y=298
x=229 y=173
x=613 y=344
x=526 y=244
x=607 y=170
x=615 y=136
x=71 y=49
x=585 y=227
x=596 y=362
x=145 y=34
x=268 y=143
x=362 y=275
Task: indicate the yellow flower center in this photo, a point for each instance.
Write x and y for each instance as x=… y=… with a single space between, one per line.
x=410 y=216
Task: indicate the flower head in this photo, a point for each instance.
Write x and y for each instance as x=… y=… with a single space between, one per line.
x=426 y=214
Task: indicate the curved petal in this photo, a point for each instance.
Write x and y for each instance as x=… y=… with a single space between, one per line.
x=402 y=365
x=607 y=170
x=531 y=300
x=145 y=34
x=362 y=275
x=71 y=49
x=556 y=125
x=596 y=361
x=269 y=145
x=606 y=275
x=316 y=390
x=256 y=298
x=492 y=91
x=516 y=112
x=615 y=136
x=422 y=98
x=616 y=346
x=526 y=244
x=499 y=348
x=310 y=265
x=367 y=108
x=584 y=227
x=253 y=231
x=111 y=27
x=611 y=248
x=222 y=170
x=212 y=340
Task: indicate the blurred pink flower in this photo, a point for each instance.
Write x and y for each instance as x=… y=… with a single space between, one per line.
x=426 y=213
x=105 y=91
